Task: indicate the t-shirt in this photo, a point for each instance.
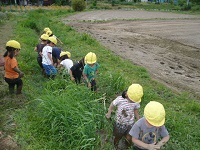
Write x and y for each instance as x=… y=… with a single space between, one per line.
x=90 y=72
x=78 y=67
x=45 y=59
x=147 y=134
x=10 y=64
x=67 y=63
x=125 y=110
x=56 y=52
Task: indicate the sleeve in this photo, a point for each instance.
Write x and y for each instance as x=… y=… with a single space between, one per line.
x=116 y=101
x=135 y=130
x=137 y=105
x=164 y=132
x=61 y=62
x=97 y=65
x=49 y=50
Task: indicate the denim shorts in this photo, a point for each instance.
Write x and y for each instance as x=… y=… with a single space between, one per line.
x=49 y=69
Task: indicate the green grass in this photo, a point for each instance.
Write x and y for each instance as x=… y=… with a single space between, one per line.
x=58 y=114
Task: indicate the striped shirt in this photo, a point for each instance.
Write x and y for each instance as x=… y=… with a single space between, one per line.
x=125 y=110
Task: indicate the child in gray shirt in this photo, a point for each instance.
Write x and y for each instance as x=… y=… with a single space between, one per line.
x=148 y=130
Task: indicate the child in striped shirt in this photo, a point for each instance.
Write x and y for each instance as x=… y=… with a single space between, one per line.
x=127 y=110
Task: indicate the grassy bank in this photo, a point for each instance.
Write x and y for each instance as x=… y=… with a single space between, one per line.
x=57 y=114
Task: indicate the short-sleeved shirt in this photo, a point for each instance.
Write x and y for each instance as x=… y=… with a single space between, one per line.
x=125 y=110
x=45 y=59
x=10 y=64
x=147 y=134
x=90 y=72
x=67 y=63
x=77 y=68
x=56 y=52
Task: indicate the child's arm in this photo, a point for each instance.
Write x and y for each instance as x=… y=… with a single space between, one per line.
x=86 y=79
x=163 y=141
x=35 y=49
x=108 y=115
x=71 y=75
x=49 y=55
x=136 y=113
x=144 y=145
x=21 y=74
x=96 y=72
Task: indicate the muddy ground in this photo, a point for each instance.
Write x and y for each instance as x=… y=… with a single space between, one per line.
x=166 y=44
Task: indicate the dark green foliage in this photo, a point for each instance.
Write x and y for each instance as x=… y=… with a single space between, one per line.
x=78 y=5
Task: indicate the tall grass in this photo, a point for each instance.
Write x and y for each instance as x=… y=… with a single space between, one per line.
x=63 y=115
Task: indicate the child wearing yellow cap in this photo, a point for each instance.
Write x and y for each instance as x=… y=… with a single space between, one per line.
x=39 y=47
x=90 y=70
x=127 y=110
x=47 y=61
x=148 y=130
x=65 y=61
x=76 y=71
x=13 y=74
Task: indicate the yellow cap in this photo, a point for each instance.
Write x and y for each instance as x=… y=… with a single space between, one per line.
x=53 y=40
x=154 y=113
x=44 y=37
x=90 y=58
x=49 y=32
x=46 y=29
x=14 y=44
x=135 y=92
x=65 y=53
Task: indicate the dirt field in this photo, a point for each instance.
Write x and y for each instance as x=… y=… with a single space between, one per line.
x=166 y=44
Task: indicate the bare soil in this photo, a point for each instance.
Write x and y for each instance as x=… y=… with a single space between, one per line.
x=7 y=142
x=166 y=44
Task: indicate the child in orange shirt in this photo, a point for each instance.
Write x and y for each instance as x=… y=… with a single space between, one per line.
x=12 y=73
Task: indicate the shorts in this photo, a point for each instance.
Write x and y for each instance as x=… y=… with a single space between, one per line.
x=93 y=85
x=121 y=129
x=49 y=69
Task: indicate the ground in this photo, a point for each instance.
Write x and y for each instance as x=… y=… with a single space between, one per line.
x=7 y=141
x=165 y=43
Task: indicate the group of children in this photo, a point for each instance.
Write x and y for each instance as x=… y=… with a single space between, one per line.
x=50 y=58
x=147 y=133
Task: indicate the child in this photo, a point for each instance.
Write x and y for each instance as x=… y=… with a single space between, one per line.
x=76 y=71
x=90 y=70
x=47 y=61
x=66 y=62
x=127 y=110
x=147 y=131
x=39 y=47
x=12 y=73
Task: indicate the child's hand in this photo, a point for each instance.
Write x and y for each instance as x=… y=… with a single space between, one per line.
x=89 y=84
x=108 y=115
x=72 y=78
x=21 y=74
x=153 y=147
